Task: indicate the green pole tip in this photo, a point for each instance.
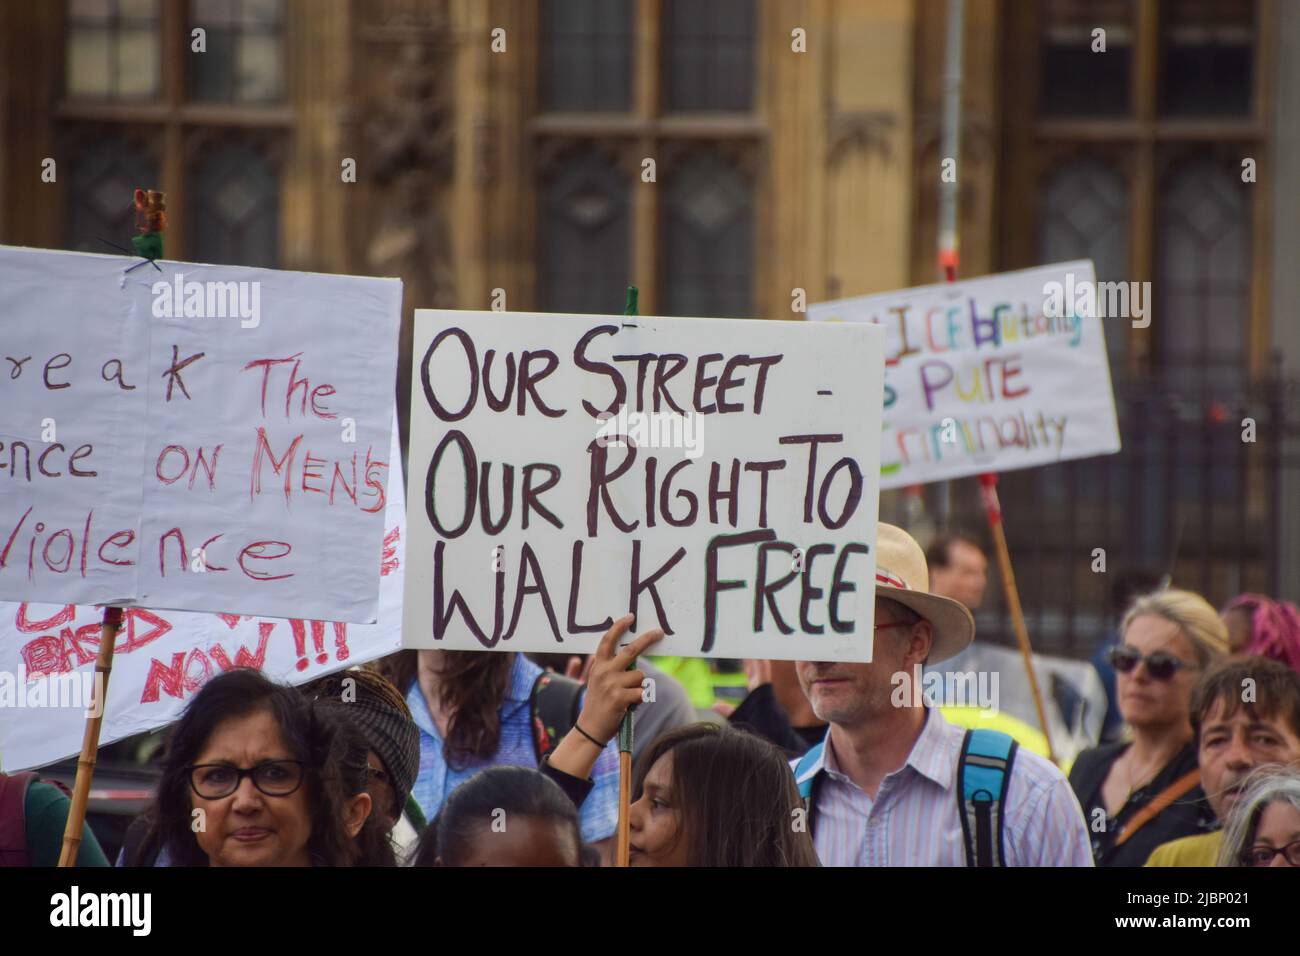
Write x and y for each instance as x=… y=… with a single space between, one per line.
x=630 y=307
x=625 y=733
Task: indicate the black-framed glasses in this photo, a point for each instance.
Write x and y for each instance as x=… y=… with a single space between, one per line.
x=275 y=778
x=1262 y=855
x=1160 y=664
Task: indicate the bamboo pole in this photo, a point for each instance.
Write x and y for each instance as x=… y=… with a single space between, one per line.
x=624 y=856
x=993 y=509
x=90 y=741
x=151 y=224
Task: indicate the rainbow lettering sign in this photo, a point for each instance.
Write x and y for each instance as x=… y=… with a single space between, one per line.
x=993 y=374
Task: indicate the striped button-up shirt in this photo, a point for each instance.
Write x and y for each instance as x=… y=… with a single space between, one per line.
x=914 y=819
x=599 y=813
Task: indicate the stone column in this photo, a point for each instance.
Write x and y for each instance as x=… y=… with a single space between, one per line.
x=317 y=206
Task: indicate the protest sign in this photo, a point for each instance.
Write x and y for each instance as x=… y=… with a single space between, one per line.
x=716 y=477
x=162 y=658
x=992 y=374
x=208 y=438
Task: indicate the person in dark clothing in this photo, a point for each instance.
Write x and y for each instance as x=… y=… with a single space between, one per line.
x=776 y=708
x=1188 y=815
x=1139 y=794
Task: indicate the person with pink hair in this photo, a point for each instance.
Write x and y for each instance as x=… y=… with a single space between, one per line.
x=1259 y=625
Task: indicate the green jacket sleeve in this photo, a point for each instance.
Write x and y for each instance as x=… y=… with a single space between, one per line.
x=46 y=811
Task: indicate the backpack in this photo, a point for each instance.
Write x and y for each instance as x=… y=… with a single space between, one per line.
x=553 y=707
x=983 y=770
x=13 y=815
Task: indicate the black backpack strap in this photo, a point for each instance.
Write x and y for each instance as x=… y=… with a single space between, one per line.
x=553 y=706
x=983 y=779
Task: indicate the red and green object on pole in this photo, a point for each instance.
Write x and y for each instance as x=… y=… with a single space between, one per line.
x=150 y=223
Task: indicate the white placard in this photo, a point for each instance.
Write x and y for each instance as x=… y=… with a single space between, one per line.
x=743 y=521
x=979 y=379
x=195 y=437
x=162 y=658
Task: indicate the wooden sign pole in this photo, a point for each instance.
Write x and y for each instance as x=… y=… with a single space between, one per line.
x=623 y=854
x=90 y=741
x=949 y=222
x=151 y=223
x=993 y=509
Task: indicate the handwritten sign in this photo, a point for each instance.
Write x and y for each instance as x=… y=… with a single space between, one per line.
x=162 y=658
x=207 y=438
x=718 y=478
x=992 y=374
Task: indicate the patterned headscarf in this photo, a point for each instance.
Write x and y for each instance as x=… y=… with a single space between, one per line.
x=382 y=716
x=1274 y=628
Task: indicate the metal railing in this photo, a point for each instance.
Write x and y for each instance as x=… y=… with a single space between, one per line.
x=1189 y=494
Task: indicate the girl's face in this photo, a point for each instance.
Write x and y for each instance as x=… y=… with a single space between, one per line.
x=656 y=825
x=248 y=827
x=523 y=841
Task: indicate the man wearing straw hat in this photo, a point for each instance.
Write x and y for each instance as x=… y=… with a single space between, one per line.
x=893 y=783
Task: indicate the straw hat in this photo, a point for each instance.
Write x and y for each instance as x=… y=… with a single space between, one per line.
x=903 y=576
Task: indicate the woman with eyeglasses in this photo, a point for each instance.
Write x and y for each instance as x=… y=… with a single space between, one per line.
x=254 y=774
x=1263 y=828
x=1145 y=790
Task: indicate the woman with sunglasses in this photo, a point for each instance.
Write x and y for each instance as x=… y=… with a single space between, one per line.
x=1145 y=790
x=1263 y=828
x=254 y=774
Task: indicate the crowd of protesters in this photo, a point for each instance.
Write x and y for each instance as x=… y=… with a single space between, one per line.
x=441 y=758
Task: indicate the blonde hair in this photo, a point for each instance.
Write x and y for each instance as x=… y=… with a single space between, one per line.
x=1191 y=613
x=1267 y=785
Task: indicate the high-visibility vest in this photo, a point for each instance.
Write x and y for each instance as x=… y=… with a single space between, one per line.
x=704 y=685
x=1031 y=738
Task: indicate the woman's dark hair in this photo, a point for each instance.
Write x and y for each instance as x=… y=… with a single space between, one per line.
x=737 y=797
x=1276 y=692
x=519 y=791
x=316 y=736
x=350 y=751
x=472 y=686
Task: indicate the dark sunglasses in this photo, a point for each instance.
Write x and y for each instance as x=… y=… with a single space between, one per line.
x=1161 y=665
